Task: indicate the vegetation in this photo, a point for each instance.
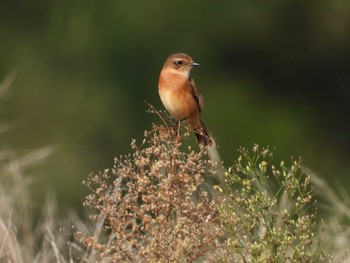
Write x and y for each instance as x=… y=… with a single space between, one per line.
x=154 y=206
x=270 y=213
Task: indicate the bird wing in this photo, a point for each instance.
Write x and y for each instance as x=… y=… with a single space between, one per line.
x=197 y=96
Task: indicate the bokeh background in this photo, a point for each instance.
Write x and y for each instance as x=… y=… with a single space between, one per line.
x=272 y=72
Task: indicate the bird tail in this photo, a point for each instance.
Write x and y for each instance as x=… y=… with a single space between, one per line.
x=203 y=136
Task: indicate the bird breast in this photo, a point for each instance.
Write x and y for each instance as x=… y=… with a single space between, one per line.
x=176 y=95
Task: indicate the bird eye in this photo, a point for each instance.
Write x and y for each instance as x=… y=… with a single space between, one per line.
x=178 y=62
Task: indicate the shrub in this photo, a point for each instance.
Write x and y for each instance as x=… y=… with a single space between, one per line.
x=152 y=204
x=269 y=213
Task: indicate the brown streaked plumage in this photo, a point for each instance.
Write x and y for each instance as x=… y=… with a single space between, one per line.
x=181 y=97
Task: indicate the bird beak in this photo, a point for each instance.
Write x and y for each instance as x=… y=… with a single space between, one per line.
x=194 y=64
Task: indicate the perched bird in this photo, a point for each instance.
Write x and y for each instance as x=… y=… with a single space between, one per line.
x=181 y=97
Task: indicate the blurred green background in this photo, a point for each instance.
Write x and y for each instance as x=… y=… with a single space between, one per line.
x=272 y=72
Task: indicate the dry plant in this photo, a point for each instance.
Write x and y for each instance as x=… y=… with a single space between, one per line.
x=152 y=205
x=269 y=213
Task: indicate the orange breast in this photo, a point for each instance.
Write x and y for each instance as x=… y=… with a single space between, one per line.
x=176 y=94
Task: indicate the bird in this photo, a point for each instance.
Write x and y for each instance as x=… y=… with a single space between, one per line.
x=180 y=95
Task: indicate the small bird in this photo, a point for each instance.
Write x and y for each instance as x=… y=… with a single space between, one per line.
x=180 y=95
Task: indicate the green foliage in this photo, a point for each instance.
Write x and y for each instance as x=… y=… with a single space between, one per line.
x=270 y=213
